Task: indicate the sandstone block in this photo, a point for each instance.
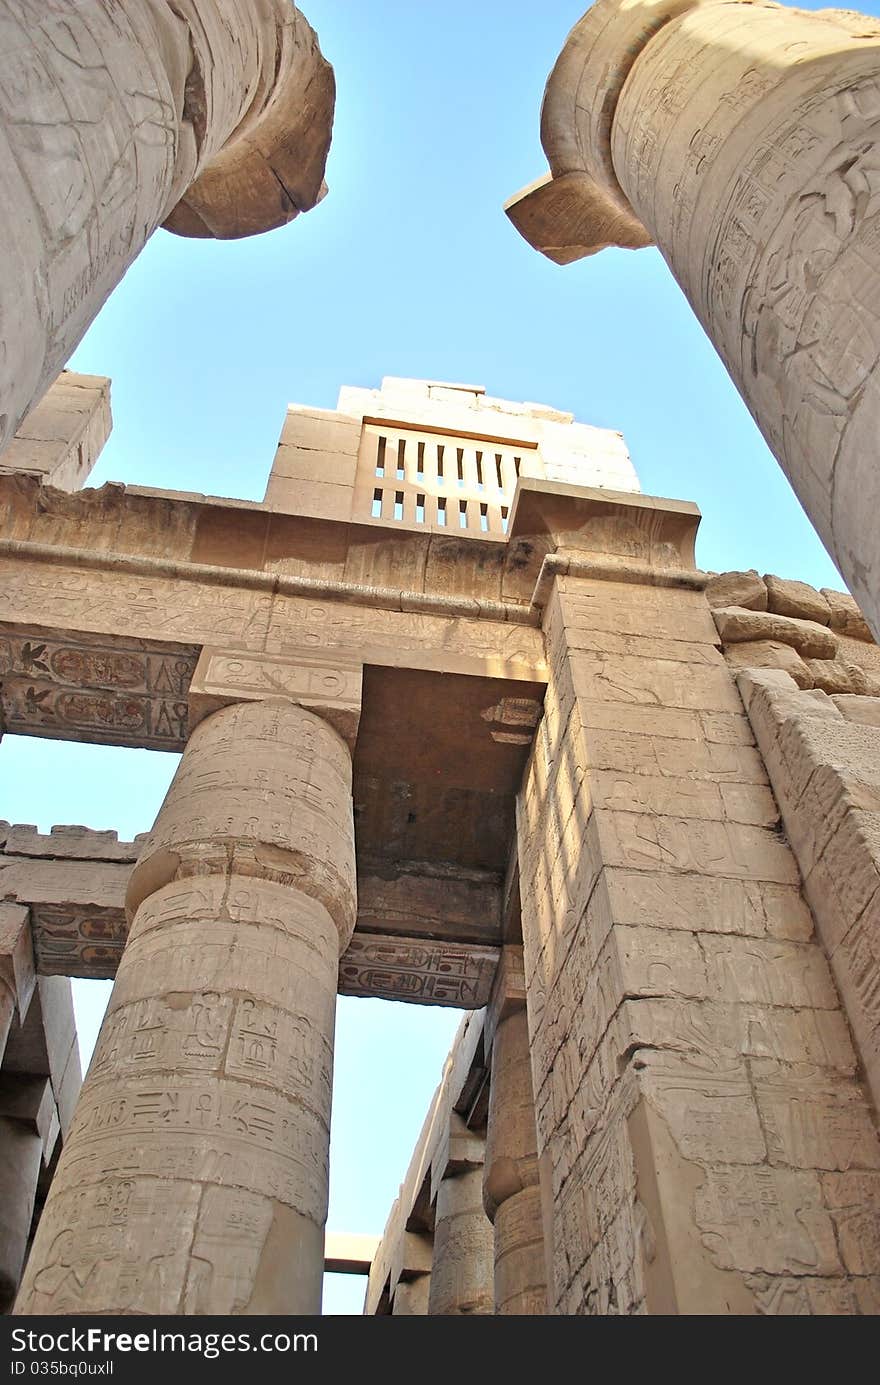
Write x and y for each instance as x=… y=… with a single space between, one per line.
x=744 y=589
x=799 y=599
x=865 y=710
x=810 y=639
x=769 y=654
x=838 y=676
x=846 y=618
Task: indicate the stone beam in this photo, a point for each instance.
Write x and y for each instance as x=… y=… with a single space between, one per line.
x=345 y=1253
x=61 y=438
x=73 y=883
x=741 y=139
x=109 y=690
x=212 y=116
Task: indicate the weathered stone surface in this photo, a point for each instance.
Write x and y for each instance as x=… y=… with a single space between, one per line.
x=61 y=439
x=221 y=119
x=195 y=1176
x=799 y=599
x=826 y=776
x=811 y=640
x=846 y=618
x=770 y=654
x=743 y=589
x=685 y=1024
x=461 y=1273
x=511 y=1191
x=865 y=710
x=838 y=676
x=695 y=128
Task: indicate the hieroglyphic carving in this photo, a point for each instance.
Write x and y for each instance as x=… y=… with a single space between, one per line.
x=418 y=970
x=330 y=686
x=113 y=691
x=84 y=941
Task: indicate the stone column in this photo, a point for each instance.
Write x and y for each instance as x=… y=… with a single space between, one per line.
x=194 y=1179
x=461 y=1273
x=511 y=1185
x=709 y=1142
x=742 y=138
x=212 y=116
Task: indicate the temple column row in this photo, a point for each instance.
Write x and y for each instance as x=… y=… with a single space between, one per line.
x=195 y=1177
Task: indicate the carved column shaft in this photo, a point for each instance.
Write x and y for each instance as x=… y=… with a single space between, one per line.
x=109 y=114
x=511 y=1190
x=743 y=139
x=461 y=1273
x=194 y=1179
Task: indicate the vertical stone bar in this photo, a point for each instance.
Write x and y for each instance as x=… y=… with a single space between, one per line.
x=461 y=1273
x=211 y=115
x=21 y=1150
x=697 y=1094
x=194 y=1179
x=411 y=1297
x=29 y=1128
x=742 y=139
x=17 y=978
x=511 y=1185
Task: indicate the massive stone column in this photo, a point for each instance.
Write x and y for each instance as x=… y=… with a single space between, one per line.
x=212 y=116
x=742 y=138
x=194 y=1179
x=708 y=1139
x=511 y=1185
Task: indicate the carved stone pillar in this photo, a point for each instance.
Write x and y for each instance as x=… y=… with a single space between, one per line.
x=194 y=1179
x=461 y=1271
x=742 y=139
x=212 y=116
x=511 y=1185
x=699 y=1108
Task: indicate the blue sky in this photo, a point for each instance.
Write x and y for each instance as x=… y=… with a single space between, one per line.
x=408 y=267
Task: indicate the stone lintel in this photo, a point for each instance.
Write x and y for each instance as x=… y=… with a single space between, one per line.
x=79 y=927
x=103 y=689
x=418 y=970
x=328 y=685
x=345 y=1253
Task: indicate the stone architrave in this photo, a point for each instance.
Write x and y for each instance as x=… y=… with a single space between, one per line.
x=194 y=1179
x=212 y=116
x=742 y=139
